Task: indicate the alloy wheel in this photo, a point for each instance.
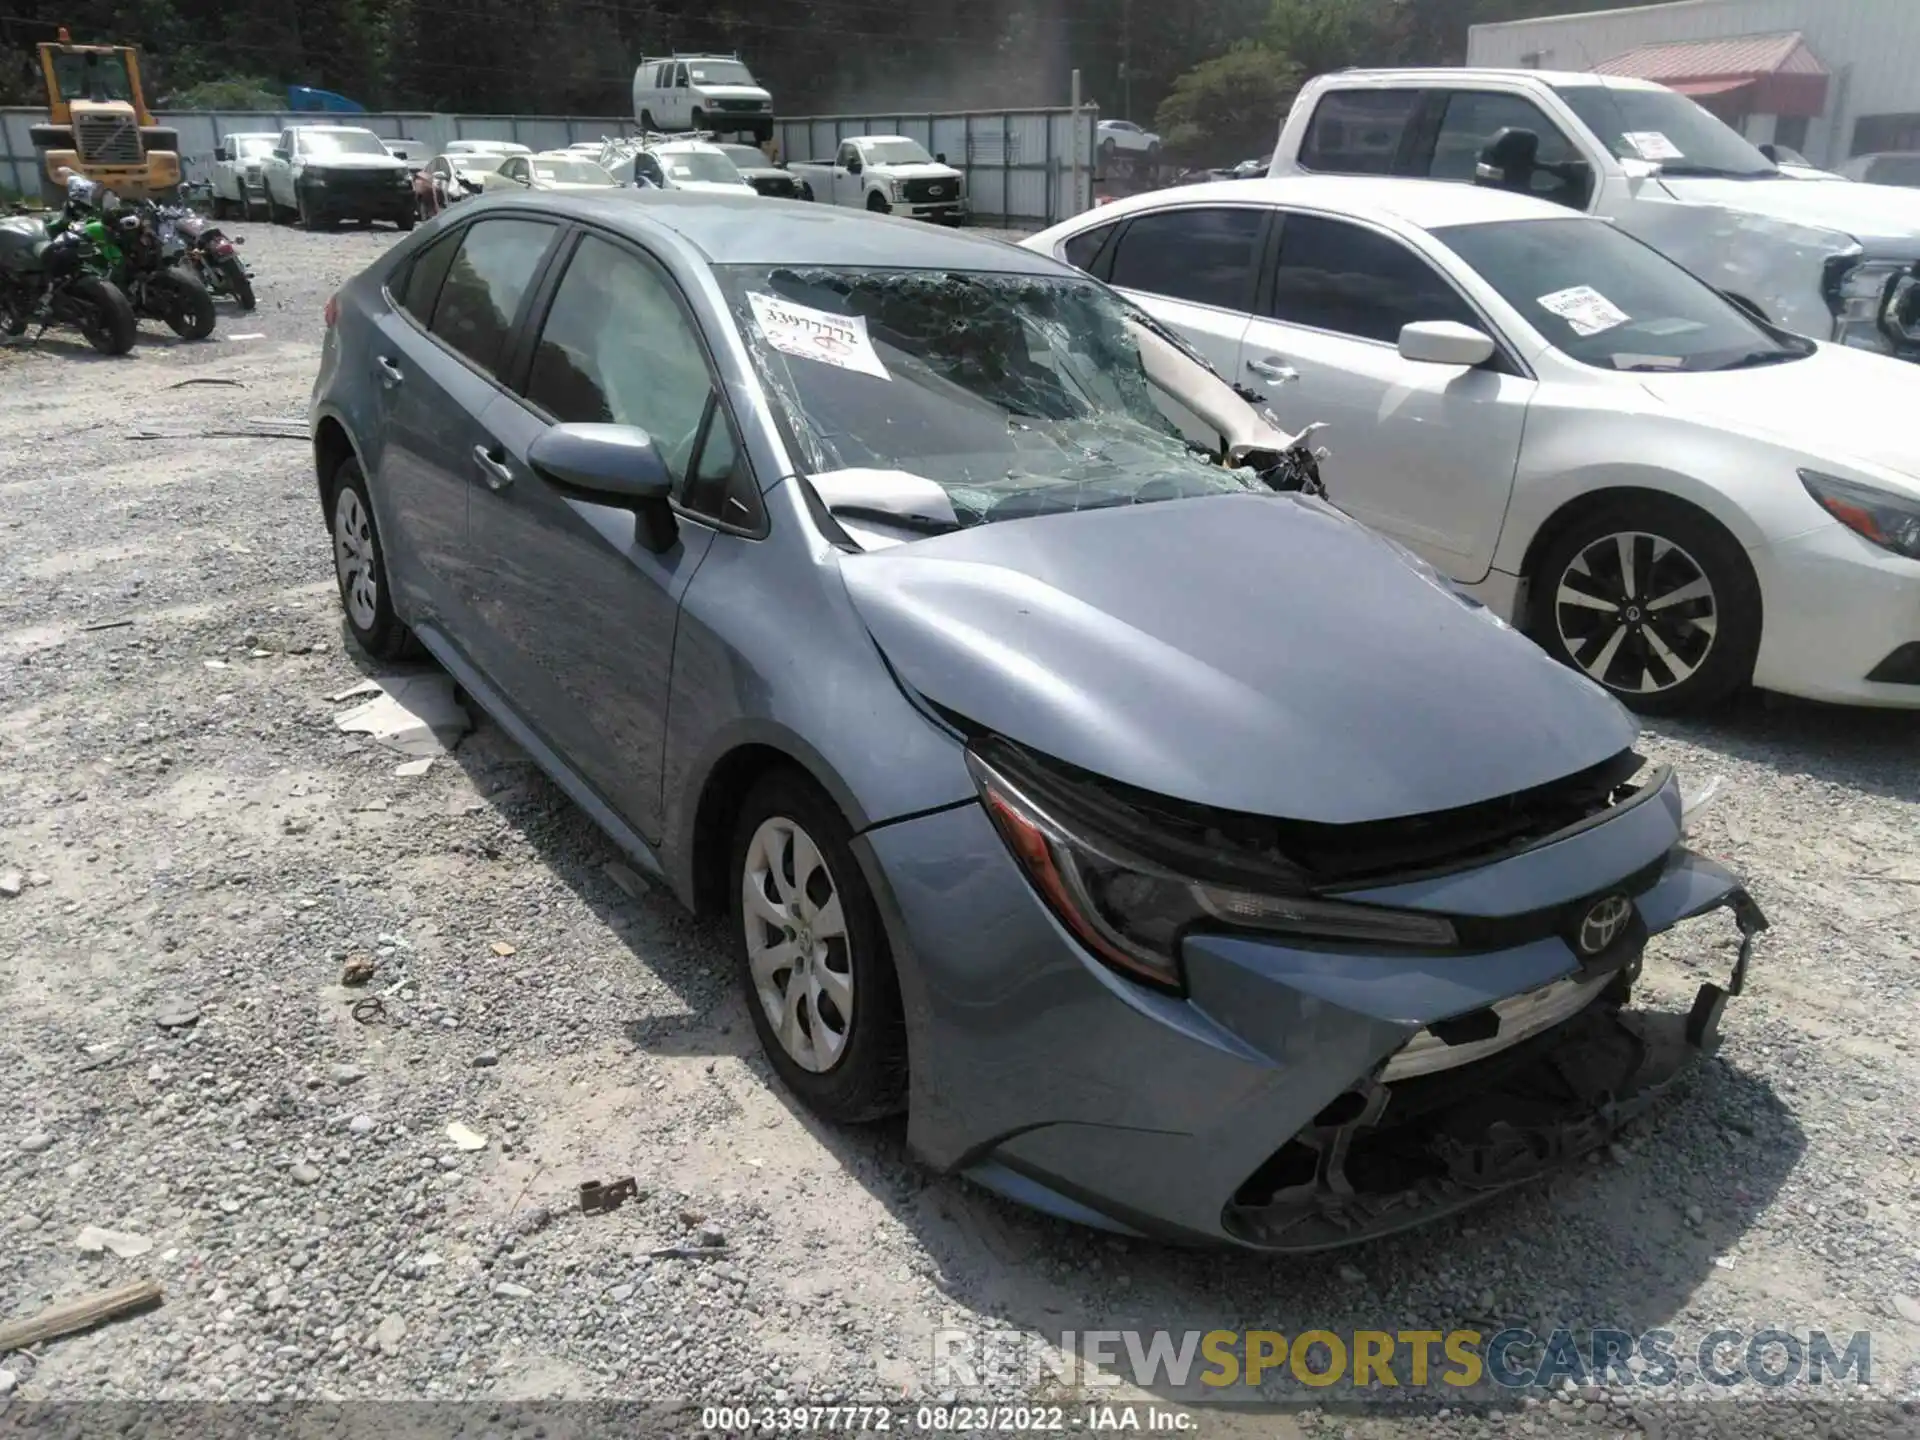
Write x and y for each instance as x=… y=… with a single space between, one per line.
x=353 y=558
x=1636 y=612
x=797 y=944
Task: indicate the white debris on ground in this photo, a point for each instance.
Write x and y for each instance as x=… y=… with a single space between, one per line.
x=251 y=981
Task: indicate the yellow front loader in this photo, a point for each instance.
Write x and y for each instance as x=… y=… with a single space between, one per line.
x=98 y=124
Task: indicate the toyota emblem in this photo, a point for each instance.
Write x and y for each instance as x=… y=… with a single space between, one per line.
x=1603 y=924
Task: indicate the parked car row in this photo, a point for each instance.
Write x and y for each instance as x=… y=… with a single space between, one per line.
x=936 y=611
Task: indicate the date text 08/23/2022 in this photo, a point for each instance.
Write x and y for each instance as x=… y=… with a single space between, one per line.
x=945 y=1419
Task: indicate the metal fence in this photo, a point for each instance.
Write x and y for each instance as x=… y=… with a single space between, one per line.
x=1020 y=164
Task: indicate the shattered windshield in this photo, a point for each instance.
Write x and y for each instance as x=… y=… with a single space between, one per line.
x=1015 y=394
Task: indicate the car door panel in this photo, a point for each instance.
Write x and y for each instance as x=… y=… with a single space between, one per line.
x=1426 y=453
x=577 y=619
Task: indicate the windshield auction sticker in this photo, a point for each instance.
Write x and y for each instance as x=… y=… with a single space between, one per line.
x=1652 y=145
x=1585 y=309
x=818 y=334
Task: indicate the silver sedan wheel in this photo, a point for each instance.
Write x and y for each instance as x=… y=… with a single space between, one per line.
x=1636 y=612
x=797 y=945
x=353 y=558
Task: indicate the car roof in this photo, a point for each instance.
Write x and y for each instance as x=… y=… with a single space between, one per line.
x=1427 y=74
x=749 y=229
x=1423 y=204
x=332 y=125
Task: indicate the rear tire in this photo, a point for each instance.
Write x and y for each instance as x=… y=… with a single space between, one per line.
x=1603 y=603
x=360 y=569
x=829 y=1018
x=404 y=223
x=114 y=327
x=189 y=308
x=238 y=284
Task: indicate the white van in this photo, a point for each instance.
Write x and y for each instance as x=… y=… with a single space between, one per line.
x=701 y=92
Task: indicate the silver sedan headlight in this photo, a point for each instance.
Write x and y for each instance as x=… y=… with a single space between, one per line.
x=1884 y=517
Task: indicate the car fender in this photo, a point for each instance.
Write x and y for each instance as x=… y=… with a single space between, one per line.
x=1706 y=468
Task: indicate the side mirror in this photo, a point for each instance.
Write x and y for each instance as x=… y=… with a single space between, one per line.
x=281 y=154
x=1771 y=151
x=940 y=157
x=220 y=155
x=853 y=166
x=1445 y=342
x=615 y=465
x=1508 y=159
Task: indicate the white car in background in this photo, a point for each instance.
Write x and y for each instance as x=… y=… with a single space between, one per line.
x=1663 y=490
x=1893 y=167
x=695 y=165
x=555 y=170
x=1123 y=138
x=487 y=147
x=458 y=175
x=237 y=180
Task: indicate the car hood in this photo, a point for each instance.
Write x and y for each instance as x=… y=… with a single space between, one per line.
x=1259 y=653
x=733 y=92
x=1883 y=218
x=712 y=187
x=354 y=162
x=918 y=170
x=572 y=186
x=1837 y=404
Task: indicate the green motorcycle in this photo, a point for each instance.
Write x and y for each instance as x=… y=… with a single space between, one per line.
x=144 y=254
x=49 y=278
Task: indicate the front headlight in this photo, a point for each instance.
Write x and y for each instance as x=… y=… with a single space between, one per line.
x=1872 y=303
x=1888 y=519
x=896 y=189
x=1133 y=913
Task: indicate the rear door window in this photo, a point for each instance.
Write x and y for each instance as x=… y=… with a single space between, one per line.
x=485 y=285
x=1203 y=255
x=1358 y=132
x=418 y=285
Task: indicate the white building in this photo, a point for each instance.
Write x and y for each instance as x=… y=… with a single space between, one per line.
x=1829 y=78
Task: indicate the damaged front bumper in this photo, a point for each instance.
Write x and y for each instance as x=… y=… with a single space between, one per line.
x=1294 y=1098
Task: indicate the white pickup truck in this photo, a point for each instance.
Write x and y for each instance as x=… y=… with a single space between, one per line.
x=886 y=174
x=1838 y=262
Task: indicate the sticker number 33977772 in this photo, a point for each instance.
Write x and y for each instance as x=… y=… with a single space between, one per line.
x=812 y=334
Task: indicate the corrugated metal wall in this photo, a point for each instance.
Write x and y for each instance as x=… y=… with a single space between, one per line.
x=1871 y=46
x=1018 y=163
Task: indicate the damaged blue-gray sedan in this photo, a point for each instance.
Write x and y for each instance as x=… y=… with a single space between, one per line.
x=1179 y=855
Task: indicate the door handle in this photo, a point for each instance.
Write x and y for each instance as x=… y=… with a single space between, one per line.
x=492 y=469
x=390 y=373
x=1274 y=370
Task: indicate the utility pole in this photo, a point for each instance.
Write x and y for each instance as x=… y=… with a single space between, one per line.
x=1126 y=59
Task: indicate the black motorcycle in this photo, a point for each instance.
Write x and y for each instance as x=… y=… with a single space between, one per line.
x=212 y=255
x=46 y=280
x=153 y=269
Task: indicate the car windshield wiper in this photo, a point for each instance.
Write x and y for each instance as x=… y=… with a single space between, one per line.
x=1753 y=359
x=1684 y=171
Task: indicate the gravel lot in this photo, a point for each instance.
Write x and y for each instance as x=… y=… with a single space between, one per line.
x=196 y=837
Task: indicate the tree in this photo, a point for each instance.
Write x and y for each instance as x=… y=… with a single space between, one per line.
x=1228 y=108
x=1322 y=35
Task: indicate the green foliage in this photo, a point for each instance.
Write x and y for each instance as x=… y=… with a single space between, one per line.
x=237 y=94
x=1320 y=35
x=1228 y=108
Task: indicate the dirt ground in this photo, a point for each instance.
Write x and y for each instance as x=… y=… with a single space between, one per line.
x=199 y=850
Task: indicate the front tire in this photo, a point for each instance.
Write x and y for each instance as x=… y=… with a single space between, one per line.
x=813 y=954
x=877 y=204
x=360 y=569
x=189 y=308
x=1652 y=599
x=111 y=326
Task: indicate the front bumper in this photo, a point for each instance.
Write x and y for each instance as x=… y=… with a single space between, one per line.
x=947 y=212
x=1231 y=1115
x=1835 y=609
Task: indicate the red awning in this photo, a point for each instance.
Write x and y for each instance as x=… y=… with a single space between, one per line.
x=1780 y=74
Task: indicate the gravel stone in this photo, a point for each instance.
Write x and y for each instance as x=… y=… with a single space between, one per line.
x=37 y=1142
